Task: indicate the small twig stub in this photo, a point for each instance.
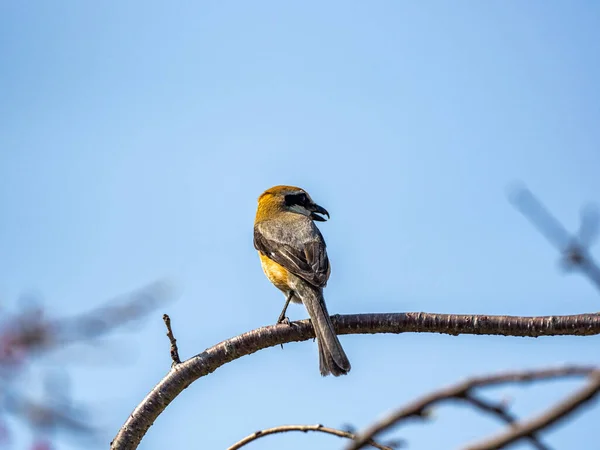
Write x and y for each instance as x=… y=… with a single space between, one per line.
x=174 y=349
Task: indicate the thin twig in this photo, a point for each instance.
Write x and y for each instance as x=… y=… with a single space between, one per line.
x=174 y=349
x=303 y=428
x=420 y=407
x=502 y=412
x=144 y=415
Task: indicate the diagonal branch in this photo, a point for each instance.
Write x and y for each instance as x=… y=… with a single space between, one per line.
x=420 y=407
x=506 y=416
x=574 y=248
x=184 y=374
x=545 y=420
x=303 y=428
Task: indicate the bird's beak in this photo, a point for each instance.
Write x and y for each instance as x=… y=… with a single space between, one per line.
x=315 y=211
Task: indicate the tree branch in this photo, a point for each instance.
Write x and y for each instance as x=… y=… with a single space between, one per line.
x=420 y=407
x=502 y=412
x=303 y=428
x=543 y=421
x=574 y=248
x=172 y=340
x=184 y=374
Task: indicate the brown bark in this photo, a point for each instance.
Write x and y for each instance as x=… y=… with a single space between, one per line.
x=182 y=375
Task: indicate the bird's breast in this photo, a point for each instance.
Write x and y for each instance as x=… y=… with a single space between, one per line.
x=276 y=273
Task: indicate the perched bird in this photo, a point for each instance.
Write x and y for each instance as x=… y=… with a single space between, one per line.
x=294 y=258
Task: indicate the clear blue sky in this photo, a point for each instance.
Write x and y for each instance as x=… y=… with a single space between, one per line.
x=135 y=138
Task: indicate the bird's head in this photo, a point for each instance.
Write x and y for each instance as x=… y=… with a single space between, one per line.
x=289 y=199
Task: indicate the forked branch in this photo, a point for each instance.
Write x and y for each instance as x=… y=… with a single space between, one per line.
x=575 y=255
x=182 y=375
x=464 y=390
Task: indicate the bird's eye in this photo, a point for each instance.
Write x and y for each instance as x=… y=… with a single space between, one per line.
x=295 y=199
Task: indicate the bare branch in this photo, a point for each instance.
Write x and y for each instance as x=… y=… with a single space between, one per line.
x=506 y=416
x=575 y=255
x=461 y=390
x=528 y=205
x=174 y=349
x=545 y=420
x=184 y=374
x=31 y=332
x=303 y=428
x=574 y=248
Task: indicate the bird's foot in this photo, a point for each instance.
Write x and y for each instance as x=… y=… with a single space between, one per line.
x=284 y=320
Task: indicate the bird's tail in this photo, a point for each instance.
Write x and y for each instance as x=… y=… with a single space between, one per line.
x=332 y=358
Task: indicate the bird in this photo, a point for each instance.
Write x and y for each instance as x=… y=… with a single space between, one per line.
x=293 y=256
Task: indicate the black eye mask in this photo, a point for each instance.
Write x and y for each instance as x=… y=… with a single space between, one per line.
x=296 y=199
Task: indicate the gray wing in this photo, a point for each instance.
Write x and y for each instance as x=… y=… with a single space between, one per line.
x=298 y=247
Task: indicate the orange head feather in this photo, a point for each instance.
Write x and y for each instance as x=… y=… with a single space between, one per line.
x=281 y=199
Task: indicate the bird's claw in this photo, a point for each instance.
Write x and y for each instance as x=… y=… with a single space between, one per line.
x=284 y=321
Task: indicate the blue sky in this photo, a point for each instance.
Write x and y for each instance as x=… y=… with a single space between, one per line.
x=135 y=138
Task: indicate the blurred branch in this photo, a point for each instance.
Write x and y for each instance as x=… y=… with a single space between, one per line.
x=30 y=332
x=180 y=377
x=116 y=313
x=174 y=349
x=502 y=412
x=545 y=420
x=574 y=248
x=304 y=428
x=463 y=391
x=52 y=413
x=50 y=416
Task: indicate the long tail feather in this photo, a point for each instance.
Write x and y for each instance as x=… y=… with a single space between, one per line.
x=332 y=358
